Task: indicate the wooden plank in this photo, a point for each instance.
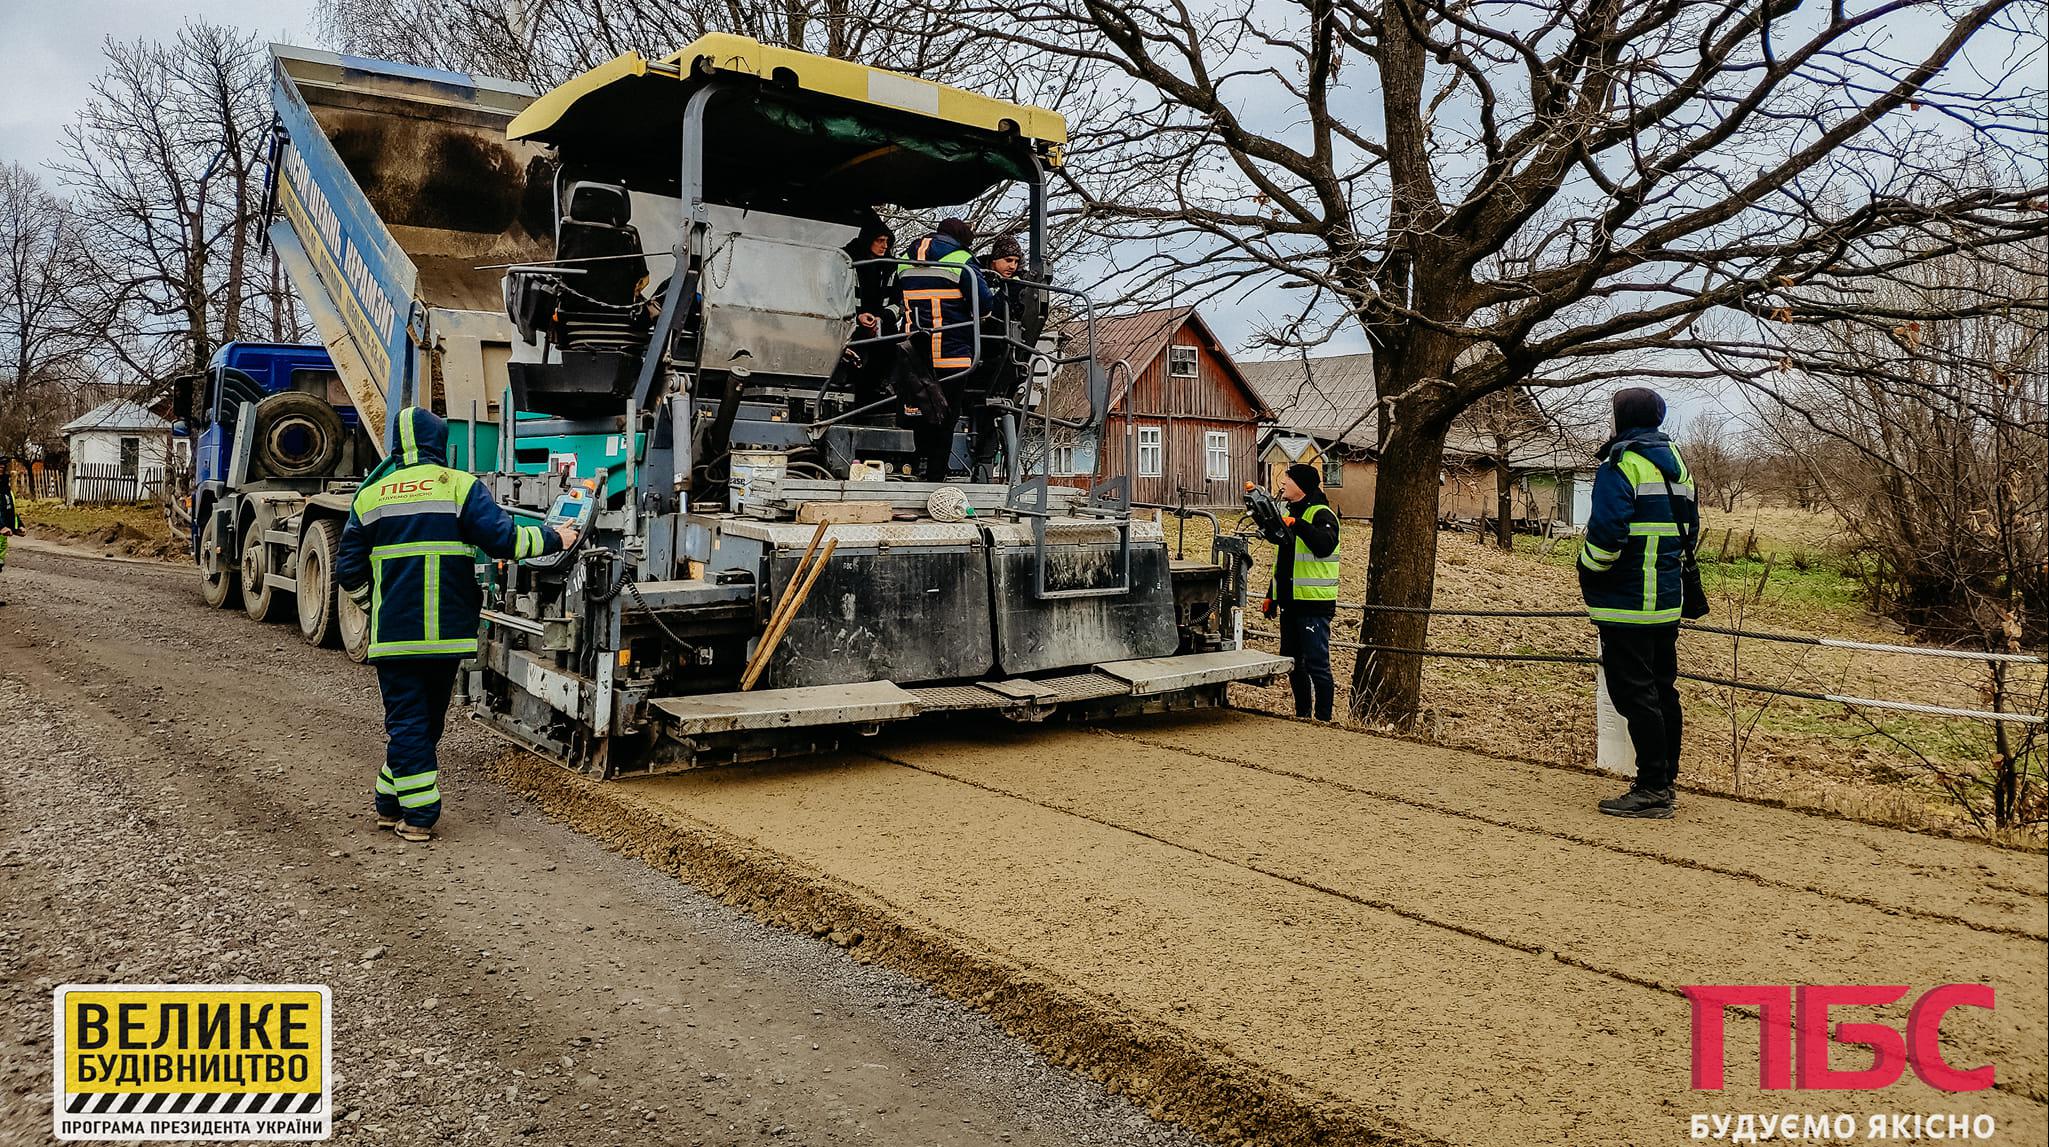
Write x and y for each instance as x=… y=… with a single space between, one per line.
x=811 y=513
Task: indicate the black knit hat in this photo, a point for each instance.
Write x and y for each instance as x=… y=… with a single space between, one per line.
x=1307 y=477
x=1638 y=406
x=1005 y=247
x=959 y=230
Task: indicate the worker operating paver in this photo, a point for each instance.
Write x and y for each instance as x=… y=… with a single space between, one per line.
x=407 y=557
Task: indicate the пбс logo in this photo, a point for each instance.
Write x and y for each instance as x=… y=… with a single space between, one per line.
x=1795 y=1035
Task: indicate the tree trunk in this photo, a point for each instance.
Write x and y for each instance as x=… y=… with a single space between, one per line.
x=1401 y=571
x=1504 y=504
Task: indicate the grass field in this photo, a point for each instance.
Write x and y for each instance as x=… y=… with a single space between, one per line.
x=1868 y=763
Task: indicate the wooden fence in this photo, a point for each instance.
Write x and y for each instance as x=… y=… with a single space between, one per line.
x=108 y=483
x=40 y=480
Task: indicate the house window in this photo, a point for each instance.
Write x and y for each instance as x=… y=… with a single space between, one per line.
x=1333 y=471
x=131 y=456
x=1150 y=452
x=1216 y=455
x=1063 y=461
x=1181 y=361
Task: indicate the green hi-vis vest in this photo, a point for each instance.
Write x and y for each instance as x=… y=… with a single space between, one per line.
x=1314 y=578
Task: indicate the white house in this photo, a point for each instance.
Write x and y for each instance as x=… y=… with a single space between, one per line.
x=119 y=452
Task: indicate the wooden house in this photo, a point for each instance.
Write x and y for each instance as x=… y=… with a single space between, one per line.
x=1323 y=415
x=1184 y=421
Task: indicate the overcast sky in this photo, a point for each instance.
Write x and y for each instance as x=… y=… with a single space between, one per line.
x=50 y=52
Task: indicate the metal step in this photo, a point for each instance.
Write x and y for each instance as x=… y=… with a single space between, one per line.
x=865 y=703
x=1152 y=675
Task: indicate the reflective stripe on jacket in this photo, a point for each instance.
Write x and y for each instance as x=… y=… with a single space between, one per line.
x=936 y=298
x=1301 y=577
x=413 y=534
x=1629 y=562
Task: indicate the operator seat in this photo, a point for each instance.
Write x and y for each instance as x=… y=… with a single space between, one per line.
x=599 y=308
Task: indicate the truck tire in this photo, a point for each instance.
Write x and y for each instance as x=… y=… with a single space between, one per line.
x=298 y=435
x=353 y=625
x=220 y=577
x=317 y=591
x=261 y=599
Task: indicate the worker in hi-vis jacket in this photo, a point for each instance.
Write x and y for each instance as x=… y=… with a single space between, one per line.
x=408 y=557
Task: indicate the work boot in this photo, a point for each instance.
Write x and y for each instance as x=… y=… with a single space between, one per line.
x=1644 y=804
x=387 y=823
x=413 y=833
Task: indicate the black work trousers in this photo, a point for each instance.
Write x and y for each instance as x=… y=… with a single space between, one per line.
x=416 y=692
x=1641 y=666
x=1306 y=638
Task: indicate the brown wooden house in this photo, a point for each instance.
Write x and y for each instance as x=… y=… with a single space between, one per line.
x=1185 y=417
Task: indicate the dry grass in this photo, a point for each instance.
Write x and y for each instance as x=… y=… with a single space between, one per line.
x=1869 y=764
x=136 y=529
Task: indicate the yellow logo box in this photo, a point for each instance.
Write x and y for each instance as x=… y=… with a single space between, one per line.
x=258 y=1038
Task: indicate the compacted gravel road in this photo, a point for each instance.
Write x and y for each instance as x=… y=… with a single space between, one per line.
x=1266 y=930
x=184 y=796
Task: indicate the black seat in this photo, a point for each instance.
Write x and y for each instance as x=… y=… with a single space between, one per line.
x=598 y=303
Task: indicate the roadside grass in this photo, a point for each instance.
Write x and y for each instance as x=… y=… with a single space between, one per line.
x=1872 y=764
x=137 y=529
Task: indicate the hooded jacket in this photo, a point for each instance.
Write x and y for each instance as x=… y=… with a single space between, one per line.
x=410 y=546
x=1629 y=563
x=936 y=301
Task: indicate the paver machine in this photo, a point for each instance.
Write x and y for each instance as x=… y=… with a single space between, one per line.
x=757 y=574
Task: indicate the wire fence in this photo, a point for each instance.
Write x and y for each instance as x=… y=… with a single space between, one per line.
x=1704 y=678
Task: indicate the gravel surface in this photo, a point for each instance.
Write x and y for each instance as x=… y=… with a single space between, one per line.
x=512 y=983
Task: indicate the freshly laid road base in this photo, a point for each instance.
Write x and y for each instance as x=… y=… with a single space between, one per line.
x=1297 y=934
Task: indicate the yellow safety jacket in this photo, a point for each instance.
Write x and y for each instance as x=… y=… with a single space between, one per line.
x=412 y=539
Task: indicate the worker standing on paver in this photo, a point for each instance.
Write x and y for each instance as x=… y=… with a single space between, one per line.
x=944 y=297
x=1630 y=568
x=1304 y=593
x=408 y=557
x=10 y=518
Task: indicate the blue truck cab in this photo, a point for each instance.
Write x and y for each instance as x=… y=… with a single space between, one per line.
x=249 y=372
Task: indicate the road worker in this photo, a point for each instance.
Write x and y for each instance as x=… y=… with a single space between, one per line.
x=1630 y=577
x=1304 y=592
x=10 y=519
x=408 y=557
x=942 y=303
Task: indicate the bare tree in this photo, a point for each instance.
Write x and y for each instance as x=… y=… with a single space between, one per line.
x=1931 y=439
x=544 y=42
x=1725 y=463
x=166 y=162
x=43 y=339
x=1564 y=181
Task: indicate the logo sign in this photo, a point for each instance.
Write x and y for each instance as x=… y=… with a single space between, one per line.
x=192 y=1061
x=1796 y=1031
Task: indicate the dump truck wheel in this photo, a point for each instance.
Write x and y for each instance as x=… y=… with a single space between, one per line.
x=261 y=599
x=353 y=625
x=219 y=576
x=298 y=435
x=317 y=591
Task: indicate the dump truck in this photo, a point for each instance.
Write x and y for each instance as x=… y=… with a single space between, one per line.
x=277 y=451
x=380 y=244
x=633 y=297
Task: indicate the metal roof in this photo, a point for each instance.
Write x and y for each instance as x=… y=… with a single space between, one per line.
x=1329 y=398
x=119 y=414
x=1138 y=338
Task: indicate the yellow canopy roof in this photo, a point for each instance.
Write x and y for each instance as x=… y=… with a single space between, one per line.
x=742 y=55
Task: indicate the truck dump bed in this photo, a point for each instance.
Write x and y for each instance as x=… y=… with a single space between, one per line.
x=395 y=190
